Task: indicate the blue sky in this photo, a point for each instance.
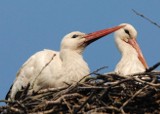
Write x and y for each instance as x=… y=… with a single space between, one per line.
x=28 y=26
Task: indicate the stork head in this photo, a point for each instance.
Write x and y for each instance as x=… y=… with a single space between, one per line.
x=126 y=33
x=126 y=38
x=77 y=41
x=73 y=41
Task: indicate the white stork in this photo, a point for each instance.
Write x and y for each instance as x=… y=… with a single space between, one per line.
x=49 y=68
x=132 y=60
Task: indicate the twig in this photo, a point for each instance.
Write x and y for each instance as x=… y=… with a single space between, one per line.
x=141 y=15
x=42 y=70
x=6 y=101
x=103 y=108
x=93 y=87
x=61 y=98
x=96 y=71
x=145 y=82
x=44 y=112
x=70 y=110
x=143 y=74
x=112 y=85
x=89 y=98
x=15 y=110
x=57 y=101
x=138 y=92
x=153 y=67
x=51 y=90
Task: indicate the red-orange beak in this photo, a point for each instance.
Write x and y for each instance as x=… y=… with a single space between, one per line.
x=91 y=37
x=135 y=45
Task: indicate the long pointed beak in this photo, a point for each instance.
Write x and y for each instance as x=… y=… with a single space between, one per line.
x=135 y=45
x=91 y=37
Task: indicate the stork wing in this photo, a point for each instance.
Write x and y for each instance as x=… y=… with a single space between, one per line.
x=30 y=71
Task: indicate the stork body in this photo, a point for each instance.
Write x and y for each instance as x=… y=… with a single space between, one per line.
x=132 y=60
x=39 y=71
x=48 y=68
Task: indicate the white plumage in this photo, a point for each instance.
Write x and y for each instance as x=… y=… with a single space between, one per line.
x=132 y=60
x=49 y=68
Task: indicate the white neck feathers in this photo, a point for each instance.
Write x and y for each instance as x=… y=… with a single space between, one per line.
x=129 y=62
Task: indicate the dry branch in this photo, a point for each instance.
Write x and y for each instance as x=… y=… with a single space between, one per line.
x=103 y=93
x=146 y=18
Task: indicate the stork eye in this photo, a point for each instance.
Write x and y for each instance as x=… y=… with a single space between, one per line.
x=127 y=31
x=75 y=36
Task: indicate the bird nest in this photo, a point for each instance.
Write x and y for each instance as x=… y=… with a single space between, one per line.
x=101 y=93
